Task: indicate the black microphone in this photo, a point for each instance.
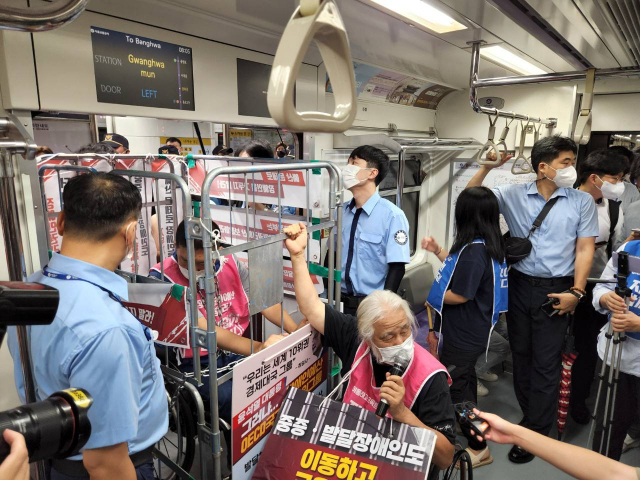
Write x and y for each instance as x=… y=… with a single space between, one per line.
x=400 y=364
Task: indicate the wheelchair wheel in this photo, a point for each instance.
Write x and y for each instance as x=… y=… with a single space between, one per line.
x=179 y=444
x=462 y=460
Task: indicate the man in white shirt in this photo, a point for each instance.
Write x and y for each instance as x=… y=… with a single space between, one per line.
x=623 y=319
x=600 y=175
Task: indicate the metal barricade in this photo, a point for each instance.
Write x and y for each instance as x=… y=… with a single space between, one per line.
x=202 y=228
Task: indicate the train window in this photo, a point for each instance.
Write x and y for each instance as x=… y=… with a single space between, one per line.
x=412 y=172
x=410 y=207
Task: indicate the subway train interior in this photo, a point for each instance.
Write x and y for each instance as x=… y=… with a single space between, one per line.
x=262 y=104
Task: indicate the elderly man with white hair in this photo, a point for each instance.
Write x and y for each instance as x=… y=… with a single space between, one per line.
x=367 y=345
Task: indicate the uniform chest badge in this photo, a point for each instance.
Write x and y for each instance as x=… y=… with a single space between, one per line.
x=401 y=237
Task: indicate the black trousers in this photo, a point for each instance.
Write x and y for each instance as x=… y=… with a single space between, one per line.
x=627 y=406
x=587 y=326
x=536 y=345
x=465 y=382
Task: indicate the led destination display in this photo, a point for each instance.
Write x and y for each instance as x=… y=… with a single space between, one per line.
x=135 y=70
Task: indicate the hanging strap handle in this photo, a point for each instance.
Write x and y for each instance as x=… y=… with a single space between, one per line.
x=322 y=22
x=582 y=132
x=489 y=147
x=522 y=165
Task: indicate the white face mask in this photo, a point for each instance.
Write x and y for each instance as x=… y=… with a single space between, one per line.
x=128 y=249
x=387 y=355
x=612 y=191
x=565 y=177
x=199 y=273
x=349 y=176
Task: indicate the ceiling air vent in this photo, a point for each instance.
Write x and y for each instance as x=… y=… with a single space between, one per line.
x=624 y=19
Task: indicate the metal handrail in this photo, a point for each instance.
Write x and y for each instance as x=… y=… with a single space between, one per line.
x=475 y=82
x=41 y=19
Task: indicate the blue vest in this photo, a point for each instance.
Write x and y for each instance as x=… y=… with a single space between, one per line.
x=633 y=282
x=445 y=274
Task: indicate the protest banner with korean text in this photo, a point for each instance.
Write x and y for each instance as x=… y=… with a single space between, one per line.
x=319 y=439
x=161 y=307
x=259 y=384
x=261 y=187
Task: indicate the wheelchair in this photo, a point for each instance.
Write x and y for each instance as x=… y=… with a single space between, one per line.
x=462 y=461
x=175 y=452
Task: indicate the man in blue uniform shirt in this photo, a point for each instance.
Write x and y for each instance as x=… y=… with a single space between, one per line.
x=375 y=233
x=556 y=269
x=94 y=342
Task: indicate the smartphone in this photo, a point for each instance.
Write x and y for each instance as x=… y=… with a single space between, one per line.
x=547 y=307
x=466 y=417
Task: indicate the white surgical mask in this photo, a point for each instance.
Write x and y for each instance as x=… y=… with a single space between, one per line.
x=185 y=272
x=349 y=176
x=612 y=191
x=565 y=177
x=128 y=249
x=387 y=355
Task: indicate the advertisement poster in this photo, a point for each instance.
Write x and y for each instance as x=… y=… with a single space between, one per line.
x=316 y=438
x=383 y=86
x=163 y=309
x=259 y=385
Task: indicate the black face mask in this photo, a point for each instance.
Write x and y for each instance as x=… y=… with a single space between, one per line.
x=281 y=153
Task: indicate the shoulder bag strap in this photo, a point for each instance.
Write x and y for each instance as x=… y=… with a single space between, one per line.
x=543 y=214
x=614 y=215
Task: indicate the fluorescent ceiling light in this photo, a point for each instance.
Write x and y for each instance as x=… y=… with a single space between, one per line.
x=510 y=60
x=420 y=13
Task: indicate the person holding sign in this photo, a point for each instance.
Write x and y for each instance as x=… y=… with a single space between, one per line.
x=233 y=278
x=469 y=293
x=369 y=346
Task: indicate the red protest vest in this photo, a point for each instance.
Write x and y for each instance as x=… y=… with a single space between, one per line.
x=235 y=304
x=362 y=390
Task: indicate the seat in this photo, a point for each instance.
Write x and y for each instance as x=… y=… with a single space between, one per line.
x=415 y=286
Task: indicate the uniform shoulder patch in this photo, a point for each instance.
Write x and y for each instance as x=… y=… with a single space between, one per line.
x=401 y=237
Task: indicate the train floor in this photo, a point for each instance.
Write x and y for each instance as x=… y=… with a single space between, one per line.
x=502 y=401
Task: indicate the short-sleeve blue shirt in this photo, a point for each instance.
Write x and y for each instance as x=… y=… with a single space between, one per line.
x=381 y=237
x=554 y=244
x=96 y=344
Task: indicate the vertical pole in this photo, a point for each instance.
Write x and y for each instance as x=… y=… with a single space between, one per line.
x=400 y=179
x=13 y=248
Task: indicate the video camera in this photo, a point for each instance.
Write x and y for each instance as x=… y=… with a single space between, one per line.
x=57 y=427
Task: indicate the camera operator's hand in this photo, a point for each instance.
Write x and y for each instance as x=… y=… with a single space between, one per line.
x=500 y=431
x=568 y=302
x=613 y=302
x=625 y=322
x=16 y=465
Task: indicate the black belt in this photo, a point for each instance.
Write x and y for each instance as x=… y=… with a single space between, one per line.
x=75 y=468
x=541 y=281
x=351 y=301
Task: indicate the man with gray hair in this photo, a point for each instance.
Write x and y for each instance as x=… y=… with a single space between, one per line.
x=368 y=344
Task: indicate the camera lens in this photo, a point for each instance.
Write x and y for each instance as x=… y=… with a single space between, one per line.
x=57 y=427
